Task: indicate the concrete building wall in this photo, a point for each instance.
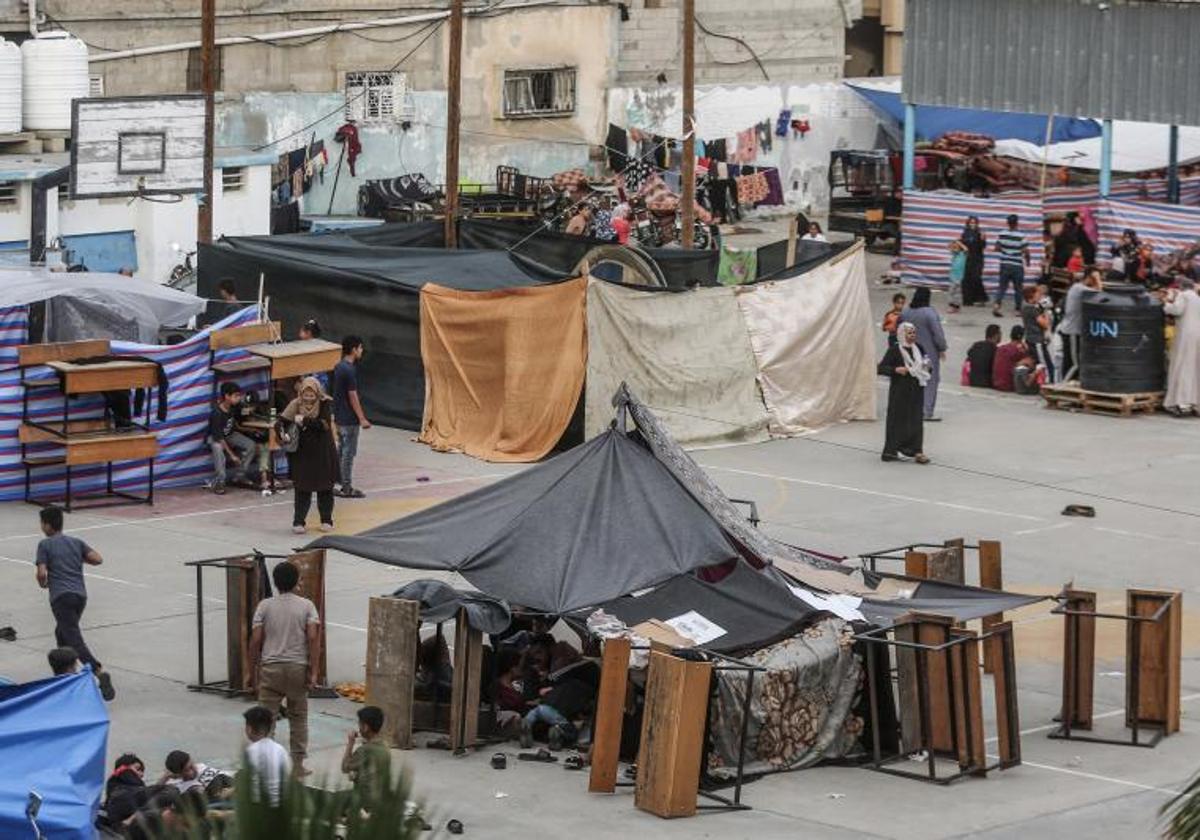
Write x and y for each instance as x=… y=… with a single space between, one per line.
x=795 y=40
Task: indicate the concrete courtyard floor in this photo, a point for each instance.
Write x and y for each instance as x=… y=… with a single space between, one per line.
x=1003 y=469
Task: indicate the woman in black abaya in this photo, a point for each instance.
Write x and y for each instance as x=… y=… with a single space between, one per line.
x=973 y=239
x=908 y=370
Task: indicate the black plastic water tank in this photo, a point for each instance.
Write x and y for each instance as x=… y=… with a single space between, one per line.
x=1123 y=347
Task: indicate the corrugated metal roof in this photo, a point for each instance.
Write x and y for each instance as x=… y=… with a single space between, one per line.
x=1086 y=58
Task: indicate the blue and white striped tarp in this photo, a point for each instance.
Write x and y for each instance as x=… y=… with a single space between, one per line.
x=932 y=220
x=183 y=456
x=1168 y=227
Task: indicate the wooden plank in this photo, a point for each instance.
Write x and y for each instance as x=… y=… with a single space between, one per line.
x=1008 y=723
x=946 y=564
x=242 y=594
x=990 y=577
x=34 y=434
x=311 y=565
x=916 y=564
x=125 y=447
x=908 y=714
x=301 y=365
x=62 y=351
x=610 y=714
x=968 y=701
x=1079 y=658
x=464 y=689
x=287 y=349
x=106 y=376
x=935 y=630
x=1159 y=656
x=676 y=707
x=393 y=633
x=244 y=336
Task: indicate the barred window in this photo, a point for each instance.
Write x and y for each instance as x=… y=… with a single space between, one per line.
x=539 y=93
x=377 y=97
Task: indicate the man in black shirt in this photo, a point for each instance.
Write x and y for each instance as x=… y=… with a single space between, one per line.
x=981 y=356
x=228 y=445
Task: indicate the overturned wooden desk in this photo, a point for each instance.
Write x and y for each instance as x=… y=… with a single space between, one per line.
x=85 y=441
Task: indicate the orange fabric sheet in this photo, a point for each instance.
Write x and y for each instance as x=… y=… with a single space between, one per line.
x=503 y=369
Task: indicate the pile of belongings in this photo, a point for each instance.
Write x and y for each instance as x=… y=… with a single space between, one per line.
x=375 y=196
x=964 y=143
x=662 y=201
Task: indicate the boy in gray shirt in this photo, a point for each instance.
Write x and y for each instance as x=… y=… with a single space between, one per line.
x=60 y=562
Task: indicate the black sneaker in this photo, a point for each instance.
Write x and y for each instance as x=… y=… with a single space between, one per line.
x=106 y=687
x=218 y=487
x=352 y=493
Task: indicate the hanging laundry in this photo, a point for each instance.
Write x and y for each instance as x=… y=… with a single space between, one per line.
x=716 y=150
x=763 y=129
x=774 y=197
x=783 y=122
x=737 y=266
x=752 y=189
x=636 y=173
x=347 y=135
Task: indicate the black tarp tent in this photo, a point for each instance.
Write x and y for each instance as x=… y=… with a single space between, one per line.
x=588 y=525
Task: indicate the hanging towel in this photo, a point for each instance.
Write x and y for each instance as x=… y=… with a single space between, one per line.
x=617 y=147
x=737 y=266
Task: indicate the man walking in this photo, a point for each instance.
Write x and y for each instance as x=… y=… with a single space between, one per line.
x=285 y=654
x=60 y=562
x=1014 y=257
x=348 y=412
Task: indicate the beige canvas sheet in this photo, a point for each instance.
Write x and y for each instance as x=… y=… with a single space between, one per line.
x=503 y=369
x=685 y=354
x=813 y=339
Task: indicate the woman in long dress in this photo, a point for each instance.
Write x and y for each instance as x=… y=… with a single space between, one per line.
x=975 y=242
x=909 y=371
x=932 y=339
x=314 y=464
x=1183 y=377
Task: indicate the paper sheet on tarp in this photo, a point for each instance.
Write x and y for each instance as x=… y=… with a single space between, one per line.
x=686 y=354
x=813 y=338
x=503 y=369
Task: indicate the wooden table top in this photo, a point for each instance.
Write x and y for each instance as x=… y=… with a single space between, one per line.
x=288 y=349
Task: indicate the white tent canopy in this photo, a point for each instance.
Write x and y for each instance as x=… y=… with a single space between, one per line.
x=1137 y=147
x=151 y=305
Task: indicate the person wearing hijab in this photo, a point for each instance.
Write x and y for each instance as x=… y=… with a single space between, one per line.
x=932 y=341
x=909 y=371
x=974 y=242
x=314 y=463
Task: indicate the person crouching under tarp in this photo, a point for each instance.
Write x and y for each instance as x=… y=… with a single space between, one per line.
x=568 y=696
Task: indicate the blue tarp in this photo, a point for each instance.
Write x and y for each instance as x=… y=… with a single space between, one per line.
x=53 y=735
x=933 y=122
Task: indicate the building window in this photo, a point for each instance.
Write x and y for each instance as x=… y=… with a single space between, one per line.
x=64 y=193
x=95 y=86
x=195 y=79
x=231 y=178
x=539 y=93
x=375 y=97
x=9 y=194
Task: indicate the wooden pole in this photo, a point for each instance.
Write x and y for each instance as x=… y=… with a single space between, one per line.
x=453 y=117
x=208 y=37
x=688 y=169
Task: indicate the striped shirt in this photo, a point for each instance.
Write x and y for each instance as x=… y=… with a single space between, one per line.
x=1011 y=245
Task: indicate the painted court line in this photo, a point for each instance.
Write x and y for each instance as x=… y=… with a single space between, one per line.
x=1143 y=536
x=1043 y=530
x=243 y=508
x=880 y=493
x=1096 y=777
x=90 y=575
x=1114 y=713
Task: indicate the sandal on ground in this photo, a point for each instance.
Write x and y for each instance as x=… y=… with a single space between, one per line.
x=921 y=458
x=543 y=755
x=1079 y=510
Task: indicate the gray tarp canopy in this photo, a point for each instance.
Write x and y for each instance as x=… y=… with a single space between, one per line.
x=594 y=523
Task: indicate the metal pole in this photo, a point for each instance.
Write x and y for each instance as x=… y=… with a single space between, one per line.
x=1105 y=158
x=208 y=37
x=453 y=117
x=1173 y=165
x=910 y=145
x=688 y=170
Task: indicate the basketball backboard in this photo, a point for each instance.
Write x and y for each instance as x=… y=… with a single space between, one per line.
x=137 y=145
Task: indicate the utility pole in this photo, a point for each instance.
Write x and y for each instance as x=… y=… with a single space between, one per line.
x=208 y=37
x=688 y=169
x=453 y=117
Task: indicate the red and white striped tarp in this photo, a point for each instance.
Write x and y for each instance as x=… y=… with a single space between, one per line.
x=932 y=220
x=1168 y=227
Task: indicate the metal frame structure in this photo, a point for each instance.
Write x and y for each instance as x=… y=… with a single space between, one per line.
x=957 y=646
x=1071 y=666
x=870 y=560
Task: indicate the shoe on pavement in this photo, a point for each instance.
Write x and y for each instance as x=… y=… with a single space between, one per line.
x=106 y=687
x=921 y=458
x=326 y=527
x=888 y=456
x=299 y=529
x=218 y=487
x=349 y=492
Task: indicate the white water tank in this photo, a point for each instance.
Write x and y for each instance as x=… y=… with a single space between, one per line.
x=10 y=87
x=55 y=71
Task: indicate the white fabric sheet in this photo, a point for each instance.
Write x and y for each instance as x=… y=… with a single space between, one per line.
x=685 y=354
x=813 y=339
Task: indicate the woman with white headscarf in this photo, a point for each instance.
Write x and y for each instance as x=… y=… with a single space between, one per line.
x=306 y=431
x=909 y=370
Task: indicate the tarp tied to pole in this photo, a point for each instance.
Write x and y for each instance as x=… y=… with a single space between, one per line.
x=814 y=342
x=686 y=354
x=53 y=735
x=503 y=369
